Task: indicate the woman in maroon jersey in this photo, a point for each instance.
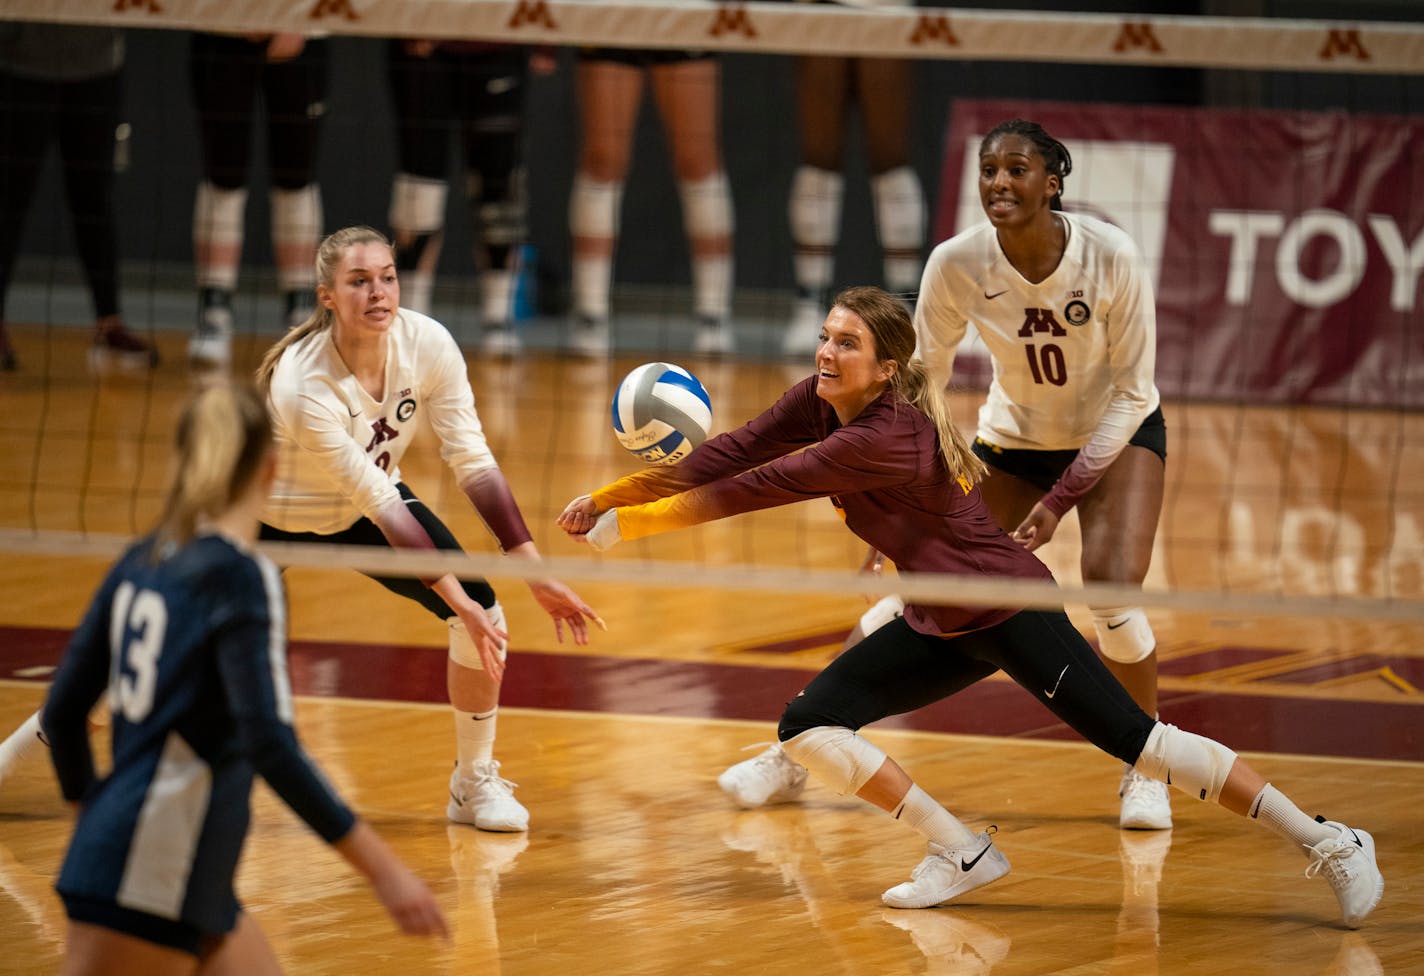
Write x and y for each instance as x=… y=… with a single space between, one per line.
x=872 y=431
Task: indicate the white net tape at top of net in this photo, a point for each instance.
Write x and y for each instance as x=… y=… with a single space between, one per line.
x=926 y=588
x=869 y=29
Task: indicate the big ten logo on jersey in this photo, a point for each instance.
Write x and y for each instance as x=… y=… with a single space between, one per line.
x=1128 y=184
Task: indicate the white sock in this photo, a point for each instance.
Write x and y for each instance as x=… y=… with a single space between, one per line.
x=1275 y=810
x=474 y=736
x=22 y=743
x=925 y=814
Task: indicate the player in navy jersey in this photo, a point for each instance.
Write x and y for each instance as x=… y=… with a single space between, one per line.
x=348 y=390
x=187 y=635
x=872 y=430
x=1064 y=304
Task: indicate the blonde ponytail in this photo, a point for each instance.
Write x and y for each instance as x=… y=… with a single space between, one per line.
x=888 y=320
x=223 y=435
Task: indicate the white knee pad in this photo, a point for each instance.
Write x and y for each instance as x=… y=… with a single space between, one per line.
x=218 y=225
x=707 y=206
x=417 y=204
x=1192 y=763
x=218 y=214
x=837 y=756
x=899 y=209
x=1124 y=635
x=881 y=614
x=296 y=215
x=815 y=206
x=296 y=229
x=462 y=647
x=594 y=207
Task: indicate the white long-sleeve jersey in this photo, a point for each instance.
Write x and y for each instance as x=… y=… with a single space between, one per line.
x=1073 y=356
x=339 y=448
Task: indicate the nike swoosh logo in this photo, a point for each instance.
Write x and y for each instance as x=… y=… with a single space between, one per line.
x=969 y=865
x=1116 y=625
x=354 y=413
x=995 y=295
x=1050 y=694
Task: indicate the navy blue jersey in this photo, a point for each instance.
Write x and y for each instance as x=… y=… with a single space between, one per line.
x=192 y=651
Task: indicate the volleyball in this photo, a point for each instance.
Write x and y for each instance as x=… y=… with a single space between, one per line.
x=661 y=413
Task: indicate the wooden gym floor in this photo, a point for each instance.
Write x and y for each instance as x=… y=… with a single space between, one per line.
x=636 y=863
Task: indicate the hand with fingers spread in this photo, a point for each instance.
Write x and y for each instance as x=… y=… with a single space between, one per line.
x=488 y=638
x=566 y=607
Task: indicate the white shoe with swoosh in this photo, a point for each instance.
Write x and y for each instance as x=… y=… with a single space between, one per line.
x=945 y=874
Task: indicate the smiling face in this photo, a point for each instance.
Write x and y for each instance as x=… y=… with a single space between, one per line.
x=364 y=293
x=849 y=372
x=1014 y=185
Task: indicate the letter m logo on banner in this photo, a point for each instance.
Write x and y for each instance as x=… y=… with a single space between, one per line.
x=1136 y=35
x=930 y=29
x=1344 y=44
x=323 y=9
x=532 y=12
x=732 y=19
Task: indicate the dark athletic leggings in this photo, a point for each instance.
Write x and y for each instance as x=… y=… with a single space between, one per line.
x=80 y=117
x=228 y=74
x=897 y=670
x=366 y=533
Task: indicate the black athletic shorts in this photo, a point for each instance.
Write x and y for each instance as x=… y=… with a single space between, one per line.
x=641 y=58
x=139 y=925
x=364 y=532
x=1043 y=468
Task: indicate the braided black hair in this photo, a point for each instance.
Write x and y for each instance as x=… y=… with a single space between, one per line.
x=1055 y=155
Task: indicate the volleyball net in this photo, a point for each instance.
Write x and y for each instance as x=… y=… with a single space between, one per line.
x=1268 y=168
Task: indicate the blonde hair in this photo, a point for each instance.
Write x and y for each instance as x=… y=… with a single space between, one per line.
x=328 y=258
x=224 y=434
x=888 y=320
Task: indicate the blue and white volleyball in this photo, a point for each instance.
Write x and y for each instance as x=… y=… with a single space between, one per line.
x=661 y=413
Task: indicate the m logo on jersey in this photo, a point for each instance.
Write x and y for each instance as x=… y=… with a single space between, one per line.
x=1038 y=321
x=382 y=432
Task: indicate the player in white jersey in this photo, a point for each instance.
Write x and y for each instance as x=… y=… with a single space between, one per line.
x=348 y=389
x=1065 y=308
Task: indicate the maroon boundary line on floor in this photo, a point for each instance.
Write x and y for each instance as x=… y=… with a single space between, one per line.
x=637 y=686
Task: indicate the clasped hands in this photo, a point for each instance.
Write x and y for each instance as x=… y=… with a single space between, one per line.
x=582 y=520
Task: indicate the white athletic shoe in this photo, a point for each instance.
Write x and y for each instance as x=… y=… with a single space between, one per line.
x=712 y=338
x=772 y=777
x=210 y=345
x=944 y=874
x=1348 y=862
x=500 y=342
x=1146 y=803
x=589 y=337
x=485 y=800
x=803 y=332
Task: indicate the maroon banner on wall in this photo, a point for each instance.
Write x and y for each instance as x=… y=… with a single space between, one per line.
x=1286 y=247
